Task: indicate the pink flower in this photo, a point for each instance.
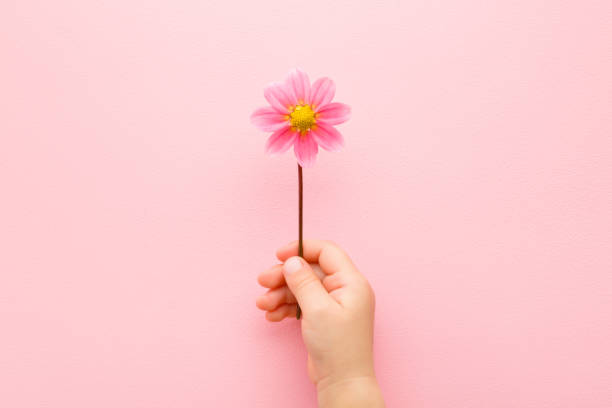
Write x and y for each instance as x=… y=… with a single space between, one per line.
x=301 y=115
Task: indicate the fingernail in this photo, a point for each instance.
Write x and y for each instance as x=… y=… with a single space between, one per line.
x=293 y=265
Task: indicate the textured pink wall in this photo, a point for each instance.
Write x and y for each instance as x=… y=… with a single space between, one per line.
x=475 y=192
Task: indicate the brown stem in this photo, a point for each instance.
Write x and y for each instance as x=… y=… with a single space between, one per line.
x=300 y=223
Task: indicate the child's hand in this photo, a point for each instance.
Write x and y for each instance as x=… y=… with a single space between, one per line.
x=337 y=305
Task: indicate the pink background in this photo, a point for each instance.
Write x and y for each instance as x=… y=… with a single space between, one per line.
x=137 y=207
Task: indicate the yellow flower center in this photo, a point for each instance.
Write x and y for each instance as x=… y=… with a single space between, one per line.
x=302 y=118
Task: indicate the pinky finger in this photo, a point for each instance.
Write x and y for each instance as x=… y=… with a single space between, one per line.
x=285 y=310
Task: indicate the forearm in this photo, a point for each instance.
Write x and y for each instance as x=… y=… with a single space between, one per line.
x=355 y=393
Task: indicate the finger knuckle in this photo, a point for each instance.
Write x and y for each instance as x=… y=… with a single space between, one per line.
x=331 y=243
x=305 y=282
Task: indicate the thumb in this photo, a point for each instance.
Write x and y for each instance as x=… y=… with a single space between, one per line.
x=304 y=284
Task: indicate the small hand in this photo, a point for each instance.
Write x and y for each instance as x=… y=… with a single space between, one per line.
x=337 y=318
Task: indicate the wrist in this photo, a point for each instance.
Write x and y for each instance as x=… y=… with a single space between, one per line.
x=359 y=391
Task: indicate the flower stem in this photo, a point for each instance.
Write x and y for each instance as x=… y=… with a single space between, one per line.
x=300 y=228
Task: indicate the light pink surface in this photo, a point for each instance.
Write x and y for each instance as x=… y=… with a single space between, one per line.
x=137 y=206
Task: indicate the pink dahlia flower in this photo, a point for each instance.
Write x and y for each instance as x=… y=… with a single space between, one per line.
x=301 y=115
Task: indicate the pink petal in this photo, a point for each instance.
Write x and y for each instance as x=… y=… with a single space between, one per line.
x=334 y=113
x=299 y=83
x=305 y=149
x=276 y=94
x=322 y=92
x=280 y=141
x=327 y=137
x=268 y=119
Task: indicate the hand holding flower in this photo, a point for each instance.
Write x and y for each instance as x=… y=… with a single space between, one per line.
x=338 y=321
